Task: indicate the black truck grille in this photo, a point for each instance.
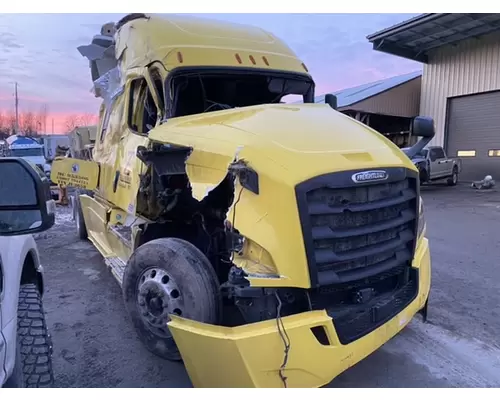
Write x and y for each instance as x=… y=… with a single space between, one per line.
x=356 y=230
x=360 y=239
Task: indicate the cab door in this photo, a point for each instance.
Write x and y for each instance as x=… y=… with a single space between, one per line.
x=3 y=345
x=144 y=112
x=438 y=162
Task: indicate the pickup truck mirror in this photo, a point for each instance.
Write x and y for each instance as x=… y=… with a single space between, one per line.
x=26 y=205
x=331 y=100
x=423 y=127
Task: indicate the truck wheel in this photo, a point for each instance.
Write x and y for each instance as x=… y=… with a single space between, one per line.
x=423 y=176
x=453 y=180
x=33 y=362
x=169 y=276
x=81 y=228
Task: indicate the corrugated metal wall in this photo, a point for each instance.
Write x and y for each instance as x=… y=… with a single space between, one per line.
x=472 y=66
x=401 y=101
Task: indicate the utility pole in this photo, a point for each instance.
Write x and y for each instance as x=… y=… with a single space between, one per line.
x=17 y=111
x=52 y=125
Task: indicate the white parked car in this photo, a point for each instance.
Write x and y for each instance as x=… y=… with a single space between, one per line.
x=26 y=207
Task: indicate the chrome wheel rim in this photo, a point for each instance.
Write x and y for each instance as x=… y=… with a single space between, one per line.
x=158 y=296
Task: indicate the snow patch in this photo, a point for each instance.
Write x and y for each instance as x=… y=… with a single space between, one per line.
x=91 y=273
x=463 y=362
x=64 y=216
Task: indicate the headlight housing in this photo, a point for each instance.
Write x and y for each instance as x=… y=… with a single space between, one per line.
x=421 y=219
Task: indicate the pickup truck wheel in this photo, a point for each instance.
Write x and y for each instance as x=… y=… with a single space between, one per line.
x=34 y=357
x=169 y=276
x=16 y=380
x=423 y=176
x=453 y=180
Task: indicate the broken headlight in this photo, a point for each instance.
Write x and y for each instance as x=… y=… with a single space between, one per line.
x=421 y=219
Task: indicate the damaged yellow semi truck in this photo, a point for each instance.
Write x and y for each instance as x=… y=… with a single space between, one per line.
x=265 y=244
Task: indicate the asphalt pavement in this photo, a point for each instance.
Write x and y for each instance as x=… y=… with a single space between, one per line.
x=95 y=344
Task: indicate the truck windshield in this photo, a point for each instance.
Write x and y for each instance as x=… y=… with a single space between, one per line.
x=26 y=152
x=201 y=92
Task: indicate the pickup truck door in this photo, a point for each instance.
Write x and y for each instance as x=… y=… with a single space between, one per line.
x=3 y=352
x=438 y=163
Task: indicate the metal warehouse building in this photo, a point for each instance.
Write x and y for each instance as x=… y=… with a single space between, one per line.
x=387 y=106
x=460 y=82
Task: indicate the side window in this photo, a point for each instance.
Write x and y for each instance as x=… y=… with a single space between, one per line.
x=111 y=108
x=466 y=153
x=436 y=154
x=142 y=113
x=439 y=154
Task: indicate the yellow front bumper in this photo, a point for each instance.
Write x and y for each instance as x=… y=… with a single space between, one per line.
x=251 y=355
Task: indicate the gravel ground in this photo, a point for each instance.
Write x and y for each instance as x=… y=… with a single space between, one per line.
x=96 y=346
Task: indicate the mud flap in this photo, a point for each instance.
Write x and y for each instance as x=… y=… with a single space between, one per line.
x=75 y=173
x=423 y=311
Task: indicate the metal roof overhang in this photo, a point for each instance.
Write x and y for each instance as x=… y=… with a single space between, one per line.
x=414 y=38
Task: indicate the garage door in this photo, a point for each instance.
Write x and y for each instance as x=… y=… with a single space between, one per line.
x=474 y=134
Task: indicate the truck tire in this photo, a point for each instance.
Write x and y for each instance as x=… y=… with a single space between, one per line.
x=453 y=180
x=424 y=175
x=33 y=366
x=169 y=276
x=81 y=228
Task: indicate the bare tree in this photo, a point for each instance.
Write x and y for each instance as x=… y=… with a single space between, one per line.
x=11 y=122
x=39 y=123
x=27 y=123
x=41 y=119
x=4 y=129
x=44 y=113
x=87 y=119
x=71 y=122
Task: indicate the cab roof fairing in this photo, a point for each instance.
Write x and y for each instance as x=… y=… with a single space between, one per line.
x=155 y=38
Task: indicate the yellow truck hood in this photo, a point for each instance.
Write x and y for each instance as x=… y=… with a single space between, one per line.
x=302 y=140
x=285 y=145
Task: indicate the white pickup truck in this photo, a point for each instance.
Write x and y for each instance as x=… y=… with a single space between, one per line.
x=26 y=207
x=434 y=165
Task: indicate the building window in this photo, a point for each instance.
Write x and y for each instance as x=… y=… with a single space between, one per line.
x=493 y=153
x=466 y=153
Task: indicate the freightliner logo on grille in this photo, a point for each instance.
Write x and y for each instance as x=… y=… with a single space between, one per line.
x=370 y=176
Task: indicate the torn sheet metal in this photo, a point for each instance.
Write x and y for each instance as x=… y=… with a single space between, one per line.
x=207 y=170
x=108 y=85
x=104 y=67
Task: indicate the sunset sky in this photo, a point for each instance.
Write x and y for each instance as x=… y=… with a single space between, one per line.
x=39 y=52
